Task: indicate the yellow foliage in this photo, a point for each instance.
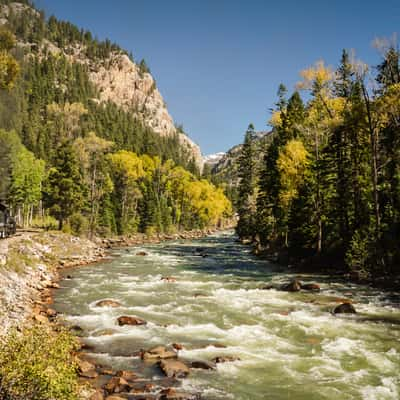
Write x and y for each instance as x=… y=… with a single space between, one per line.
x=276 y=119
x=292 y=163
x=316 y=77
x=128 y=165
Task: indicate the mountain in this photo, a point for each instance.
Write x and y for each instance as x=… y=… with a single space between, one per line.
x=223 y=167
x=213 y=159
x=116 y=78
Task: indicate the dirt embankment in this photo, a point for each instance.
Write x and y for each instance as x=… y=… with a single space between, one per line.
x=29 y=264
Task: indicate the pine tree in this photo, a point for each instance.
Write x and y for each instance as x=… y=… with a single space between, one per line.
x=64 y=190
x=246 y=190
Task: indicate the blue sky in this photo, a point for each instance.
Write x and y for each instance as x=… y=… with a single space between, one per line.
x=218 y=63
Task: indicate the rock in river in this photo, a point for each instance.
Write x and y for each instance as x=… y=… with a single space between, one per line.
x=344 y=308
x=173 y=394
x=126 y=320
x=174 y=368
x=159 y=352
x=202 y=365
x=312 y=287
x=223 y=359
x=293 y=286
x=108 y=303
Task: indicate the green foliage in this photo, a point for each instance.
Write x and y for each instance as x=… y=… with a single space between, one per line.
x=64 y=187
x=36 y=364
x=9 y=68
x=103 y=171
x=79 y=224
x=246 y=192
x=330 y=181
x=358 y=255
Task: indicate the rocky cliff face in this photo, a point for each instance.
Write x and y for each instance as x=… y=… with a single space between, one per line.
x=119 y=80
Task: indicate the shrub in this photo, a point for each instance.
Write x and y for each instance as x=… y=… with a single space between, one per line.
x=79 y=224
x=36 y=364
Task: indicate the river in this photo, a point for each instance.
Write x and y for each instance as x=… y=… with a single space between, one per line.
x=289 y=345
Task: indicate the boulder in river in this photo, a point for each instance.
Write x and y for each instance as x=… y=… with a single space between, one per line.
x=128 y=320
x=174 y=368
x=293 y=286
x=168 y=279
x=142 y=253
x=177 y=346
x=344 y=308
x=202 y=365
x=224 y=359
x=116 y=385
x=127 y=375
x=173 y=394
x=108 y=303
x=159 y=352
x=311 y=287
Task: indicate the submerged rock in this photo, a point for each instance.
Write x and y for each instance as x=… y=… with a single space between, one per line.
x=202 y=365
x=293 y=286
x=142 y=253
x=173 y=394
x=168 y=279
x=116 y=385
x=344 y=308
x=108 y=303
x=174 y=368
x=159 y=352
x=126 y=320
x=224 y=359
x=127 y=375
x=312 y=287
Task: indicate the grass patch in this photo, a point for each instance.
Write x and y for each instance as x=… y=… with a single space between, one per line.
x=36 y=364
x=17 y=261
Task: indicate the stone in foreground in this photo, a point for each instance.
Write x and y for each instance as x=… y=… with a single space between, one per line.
x=173 y=394
x=159 y=352
x=293 y=286
x=174 y=368
x=108 y=303
x=127 y=320
x=202 y=365
x=344 y=308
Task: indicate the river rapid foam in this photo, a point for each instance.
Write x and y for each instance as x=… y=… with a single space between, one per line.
x=288 y=345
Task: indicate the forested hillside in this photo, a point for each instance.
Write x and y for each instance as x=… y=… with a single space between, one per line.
x=75 y=148
x=328 y=192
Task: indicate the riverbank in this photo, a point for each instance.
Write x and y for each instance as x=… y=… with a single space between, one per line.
x=214 y=301
x=30 y=263
x=30 y=267
x=29 y=270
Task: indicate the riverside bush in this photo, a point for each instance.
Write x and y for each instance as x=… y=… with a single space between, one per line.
x=36 y=364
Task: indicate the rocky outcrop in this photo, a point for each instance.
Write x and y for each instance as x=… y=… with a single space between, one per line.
x=121 y=81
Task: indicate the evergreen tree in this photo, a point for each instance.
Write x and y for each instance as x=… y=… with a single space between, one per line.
x=64 y=190
x=246 y=190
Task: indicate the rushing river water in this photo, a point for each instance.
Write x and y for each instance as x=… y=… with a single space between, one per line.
x=290 y=345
